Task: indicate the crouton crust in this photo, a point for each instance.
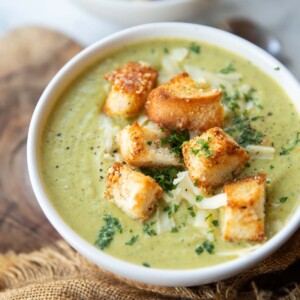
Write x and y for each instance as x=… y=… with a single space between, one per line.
x=183 y=103
x=131 y=86
x=244 y=213
x=135 y=193
x=141 y=147
x=223 y=160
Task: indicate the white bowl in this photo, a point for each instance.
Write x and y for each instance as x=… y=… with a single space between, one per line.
x=129 y=12
x=92 y=55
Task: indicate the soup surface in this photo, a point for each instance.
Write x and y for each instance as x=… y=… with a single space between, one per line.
x=78 y=146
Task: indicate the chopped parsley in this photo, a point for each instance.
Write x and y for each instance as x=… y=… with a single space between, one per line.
x=294 y=143
x=199 y=250
x=209 y=247
x=215 y=223
x=199 y=198
x=146 y=265
x=164 y=177
x=228 y=69
x=191 y=210
x=132 y=240
x=205 y=146
x=206 y=245
x=271 y=167
x=242 y=131
x=166 y=50
x=176 y=139
x=230 y=100
x=196 y=182
x=174 y=229
x=195 y=151
x=147 y=229
x=250 y=95
x=149 y=143
x=195 y=48
x=283 y=199
x=207 y=217
x=168 y=210
x=277 y=68
x=107 y=232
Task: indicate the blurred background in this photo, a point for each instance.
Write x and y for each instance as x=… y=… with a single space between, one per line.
x=280 y=17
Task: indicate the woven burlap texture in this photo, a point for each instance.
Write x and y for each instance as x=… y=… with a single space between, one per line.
x=59 y=272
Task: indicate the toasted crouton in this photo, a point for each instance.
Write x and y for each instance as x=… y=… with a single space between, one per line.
x=142 y=147
x=244 y=213
x=183 y=103
x=131 y=86
x=135 y=193
x=213 y=158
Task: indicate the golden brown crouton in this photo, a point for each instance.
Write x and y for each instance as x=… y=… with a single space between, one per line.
x=244 y=213
x=213 y=158
x=131 y=86
x=183 y=103
x=142 y=147
x=135 y=193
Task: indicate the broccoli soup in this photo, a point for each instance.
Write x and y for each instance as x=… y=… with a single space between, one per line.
x=173 y=154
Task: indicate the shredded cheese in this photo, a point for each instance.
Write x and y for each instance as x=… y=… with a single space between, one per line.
x=261 y=152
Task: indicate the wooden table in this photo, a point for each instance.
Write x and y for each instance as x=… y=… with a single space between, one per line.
x=29 y=57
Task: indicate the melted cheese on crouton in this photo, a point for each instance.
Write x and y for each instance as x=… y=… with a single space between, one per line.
x=185 y=104
x=213 y=158
x=244 y=213
x=131 y=86
x=135 y=193
x=141 y=146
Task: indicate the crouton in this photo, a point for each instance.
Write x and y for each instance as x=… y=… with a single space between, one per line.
x=142 y=147
x=244 y=213
x=131 y=86
x=213 y=158
x=183 y=103
x=133 y=192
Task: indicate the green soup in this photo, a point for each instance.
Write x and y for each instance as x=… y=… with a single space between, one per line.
x=73 y=163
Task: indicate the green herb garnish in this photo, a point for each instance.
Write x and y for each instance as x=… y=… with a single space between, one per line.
x=147 y=229
x=283 y=199
x=207 y=217
x=199 y=198
x=277 y=68
x=176 y=139
x=174 y=229
x=294 y=143
x=191 y=210
x=175 y=208
x=146 y=265
x=215 y=223
x=242 y=131
x=229 y=69
x=195 y=48
x=164 y=177
x=208 y=246
x=132 y=240
x=107 y=232
x=205 y=146
x=195 y=151
x=168 y=210
x=149 y=143
x=199 y=250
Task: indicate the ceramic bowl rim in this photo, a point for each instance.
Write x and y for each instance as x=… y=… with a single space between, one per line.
x=83 y=60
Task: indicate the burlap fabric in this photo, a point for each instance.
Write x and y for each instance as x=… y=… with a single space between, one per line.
x=59 y=272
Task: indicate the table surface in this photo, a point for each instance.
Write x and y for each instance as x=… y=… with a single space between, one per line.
x=282 y=17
